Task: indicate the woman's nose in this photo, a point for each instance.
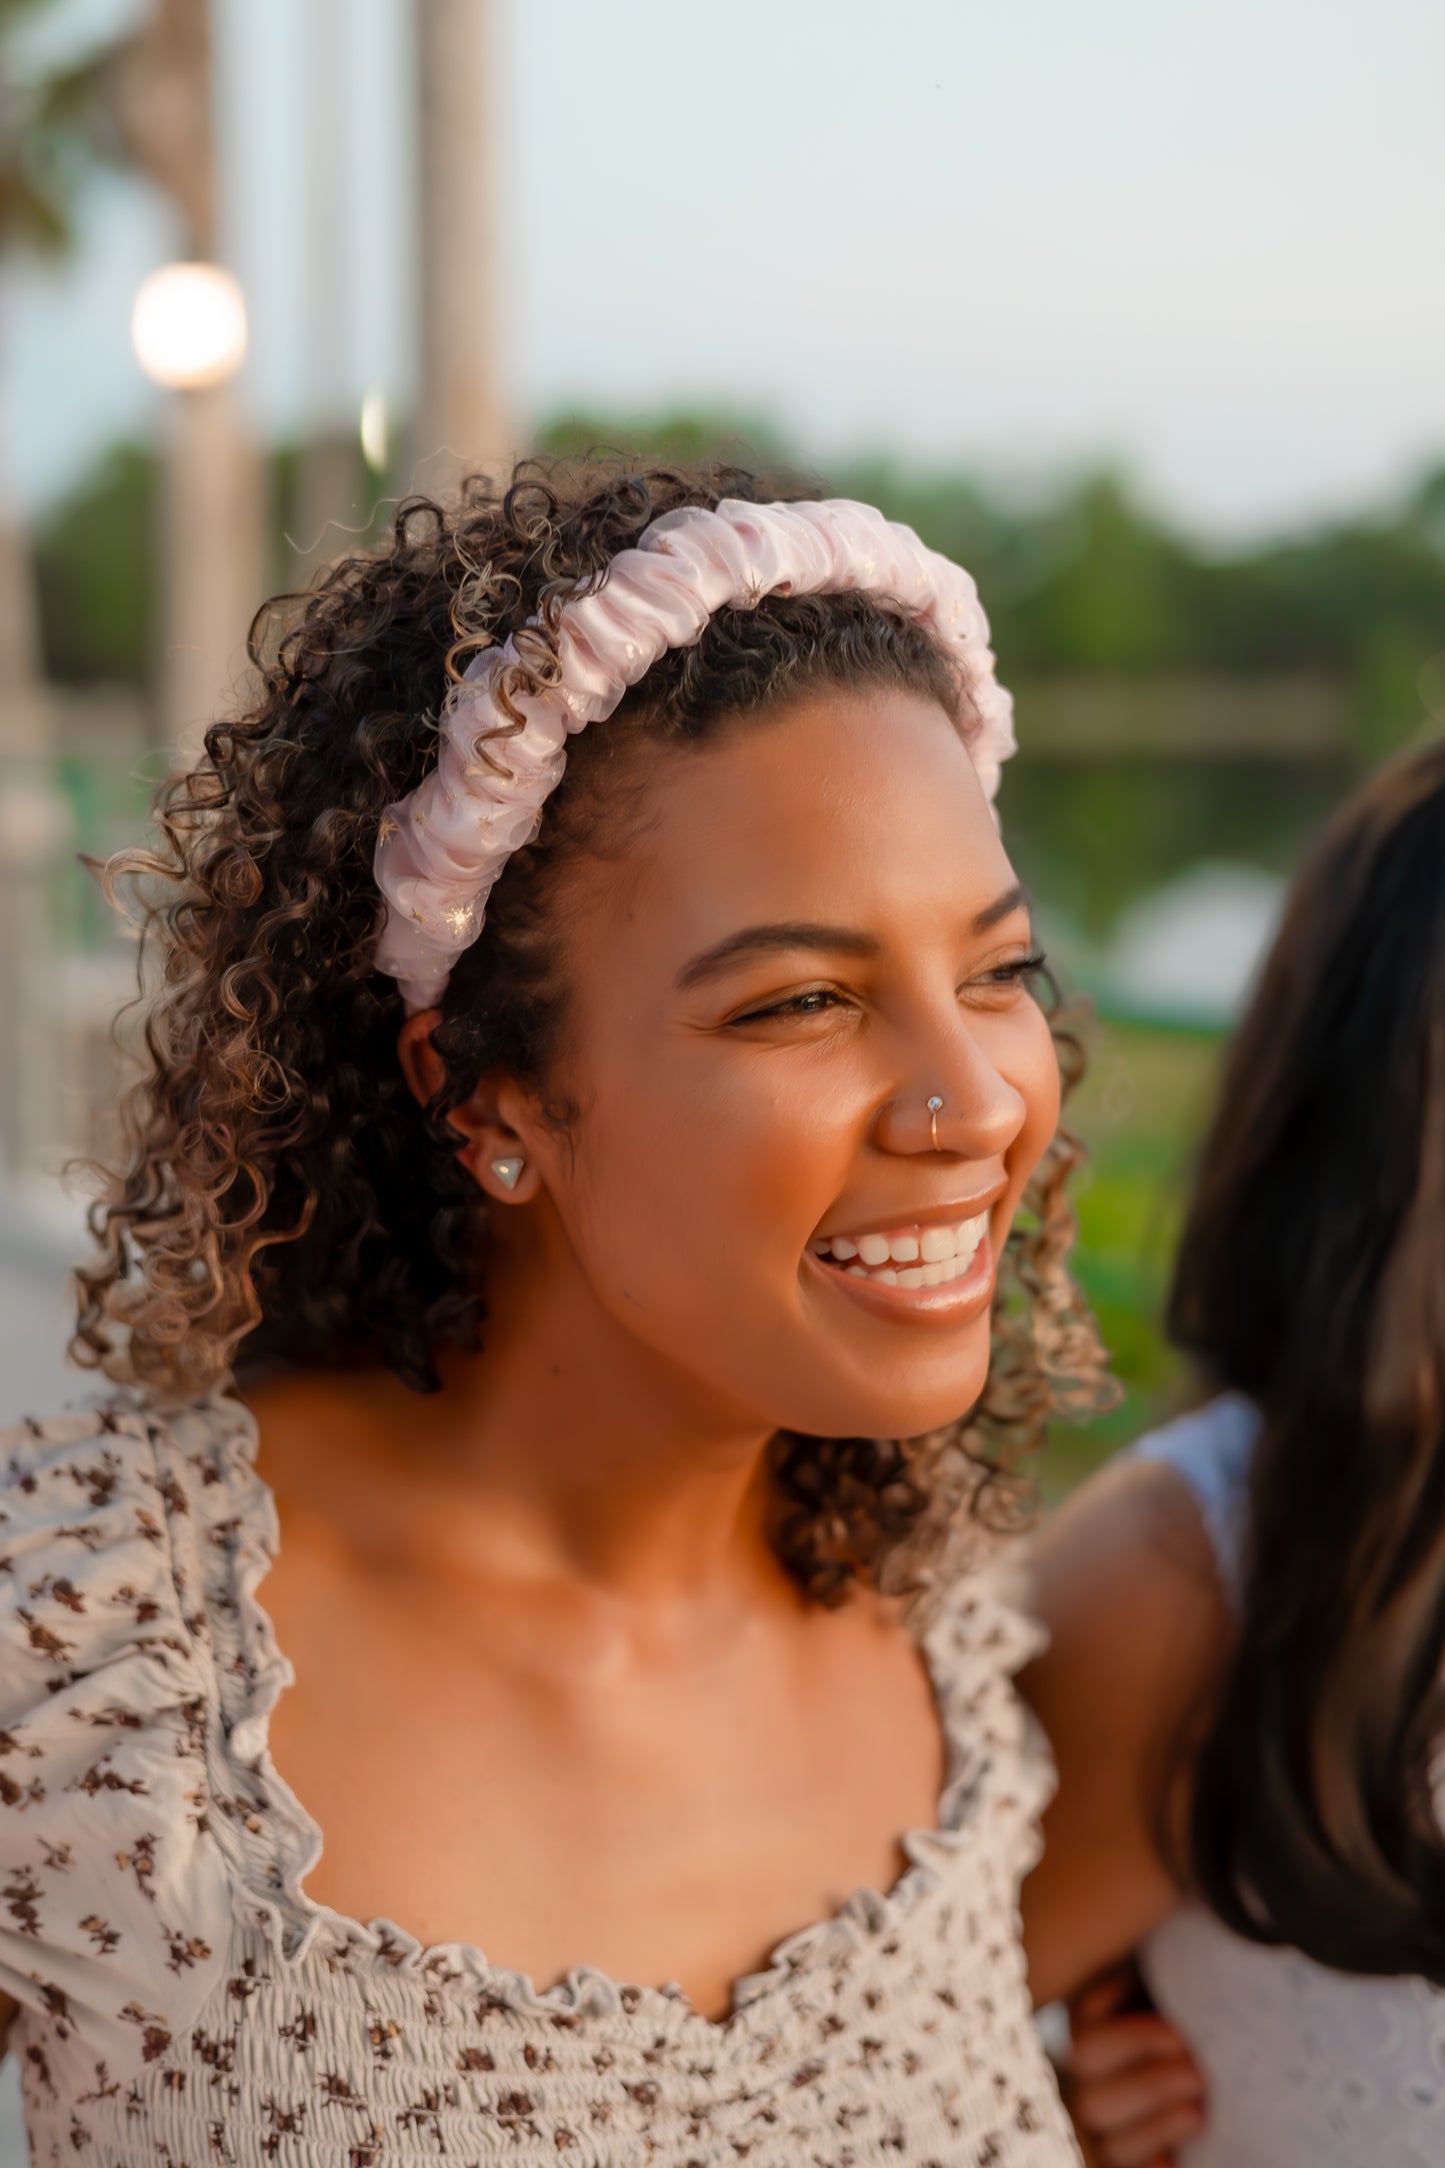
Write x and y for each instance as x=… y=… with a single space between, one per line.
x=963 y=1106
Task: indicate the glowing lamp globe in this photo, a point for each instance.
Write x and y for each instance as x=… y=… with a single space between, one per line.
x=189 y=326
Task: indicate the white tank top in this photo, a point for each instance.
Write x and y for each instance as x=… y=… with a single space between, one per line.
x=1307 y=2068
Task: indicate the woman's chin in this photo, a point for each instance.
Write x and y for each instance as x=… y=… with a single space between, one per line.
x=910 y=1411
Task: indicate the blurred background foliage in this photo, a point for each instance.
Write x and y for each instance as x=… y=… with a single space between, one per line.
x=1078 y=577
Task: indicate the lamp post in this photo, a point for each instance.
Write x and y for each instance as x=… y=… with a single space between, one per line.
x=461 y=422
x=189 y=332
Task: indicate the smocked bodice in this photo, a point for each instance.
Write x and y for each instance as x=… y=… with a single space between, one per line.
x=184 y=2002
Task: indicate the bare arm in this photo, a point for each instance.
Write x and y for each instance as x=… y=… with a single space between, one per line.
x=1126 y=1583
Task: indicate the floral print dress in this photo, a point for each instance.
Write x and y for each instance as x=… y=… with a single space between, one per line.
x=184 y=2004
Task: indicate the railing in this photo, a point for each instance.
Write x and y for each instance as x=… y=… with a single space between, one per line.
x=66 y=966
x=66 y=970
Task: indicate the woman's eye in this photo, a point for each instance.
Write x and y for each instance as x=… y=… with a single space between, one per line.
x=813 y=1003
x=1017 y=972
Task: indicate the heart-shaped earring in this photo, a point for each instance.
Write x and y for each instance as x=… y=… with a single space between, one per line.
x=508 y=1171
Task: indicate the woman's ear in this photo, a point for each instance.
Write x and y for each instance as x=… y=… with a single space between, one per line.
x=421 y=1064
x=492 y=1150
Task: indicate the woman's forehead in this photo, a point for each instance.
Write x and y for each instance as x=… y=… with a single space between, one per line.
x=858 y=808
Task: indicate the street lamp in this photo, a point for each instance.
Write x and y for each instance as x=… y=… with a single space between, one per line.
x=188 y=327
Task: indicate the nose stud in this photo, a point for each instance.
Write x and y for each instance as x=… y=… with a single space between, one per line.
x=935 y=1108
x=508 y=1171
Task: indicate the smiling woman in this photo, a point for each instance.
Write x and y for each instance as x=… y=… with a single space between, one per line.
x=631 y=1246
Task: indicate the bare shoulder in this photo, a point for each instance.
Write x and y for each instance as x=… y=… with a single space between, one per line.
x=1125 y=1571
x=294 y=1404
x=309 y=1421
x=1124 y=1579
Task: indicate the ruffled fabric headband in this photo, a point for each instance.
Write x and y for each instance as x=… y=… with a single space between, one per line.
x=442 y=848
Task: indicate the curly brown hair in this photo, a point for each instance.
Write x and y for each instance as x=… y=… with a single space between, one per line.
x=281 y=1188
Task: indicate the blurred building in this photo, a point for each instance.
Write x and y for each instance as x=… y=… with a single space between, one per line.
x=1188 y=953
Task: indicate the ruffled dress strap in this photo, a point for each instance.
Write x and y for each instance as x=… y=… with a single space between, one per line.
x=115 y=1912
x=980 y=1634
x=1212 y=1449
x=269 y=1841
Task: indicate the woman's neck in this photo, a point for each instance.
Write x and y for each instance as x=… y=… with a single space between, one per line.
x=566 y=1449
x=607 y=1470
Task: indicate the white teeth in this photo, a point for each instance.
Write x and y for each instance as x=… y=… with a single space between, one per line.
x=931 y=1258
x=970 y=1233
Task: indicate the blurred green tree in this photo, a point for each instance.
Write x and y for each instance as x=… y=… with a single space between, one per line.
x=1081 y=581
x=684 y=435
x=95 y=573
x=57 y=124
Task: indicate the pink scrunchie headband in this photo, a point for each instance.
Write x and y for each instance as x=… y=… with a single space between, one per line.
x=442 y=848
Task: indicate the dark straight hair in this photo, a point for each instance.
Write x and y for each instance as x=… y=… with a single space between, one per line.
x=1312 y=1278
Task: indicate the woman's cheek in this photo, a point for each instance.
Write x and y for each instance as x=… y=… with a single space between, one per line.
x=774 y=1168
x=704 y=1184
x=1031 y=1065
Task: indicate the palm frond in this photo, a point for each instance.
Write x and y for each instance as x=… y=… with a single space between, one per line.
x=56 y=127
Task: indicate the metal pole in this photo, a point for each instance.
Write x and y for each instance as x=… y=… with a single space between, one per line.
x=214 y=552
x=330 y=491
x=462 y=423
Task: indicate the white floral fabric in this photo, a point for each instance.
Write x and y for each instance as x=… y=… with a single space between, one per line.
x=183 y=2002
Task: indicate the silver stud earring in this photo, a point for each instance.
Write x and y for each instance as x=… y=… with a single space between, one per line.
x=508 y=1171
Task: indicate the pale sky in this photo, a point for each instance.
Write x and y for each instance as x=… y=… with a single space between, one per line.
x=1204 y=239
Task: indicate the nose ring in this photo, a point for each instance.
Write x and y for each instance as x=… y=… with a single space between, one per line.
x=935 y=1108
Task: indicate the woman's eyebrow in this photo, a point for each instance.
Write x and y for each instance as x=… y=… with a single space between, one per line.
x=768 y=940
x=1012 y=899
x=753 y=941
